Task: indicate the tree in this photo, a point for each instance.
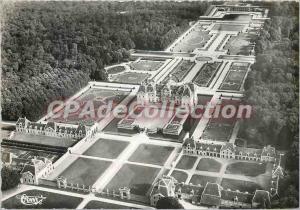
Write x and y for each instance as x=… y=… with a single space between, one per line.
x=168 y=203
x=10 y=178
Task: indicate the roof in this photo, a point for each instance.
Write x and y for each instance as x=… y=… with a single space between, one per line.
x=228 y=146
x=210 y=200
x=262 y=198
x=81 y=128
x=208 y=147
x=188 y=188
x=240 y=196
x=189 y=141
x=21 y=121
x=250 y=151
x=164 y=186
x=50 y=125
x=269 y=151
x=28 y=167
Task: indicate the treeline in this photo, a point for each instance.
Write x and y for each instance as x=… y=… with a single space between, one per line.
x=52 y=49
x=272 y=85
x=272 y=88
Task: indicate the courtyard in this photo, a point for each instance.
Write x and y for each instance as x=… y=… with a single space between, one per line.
x=208 y=164
x=85 y=171
x=105 y=148
x=138 y=178
x=227 y=27
x=151 y=154
x=246 y=168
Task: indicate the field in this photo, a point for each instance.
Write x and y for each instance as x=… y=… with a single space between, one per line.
x=51 y=201
x=195 y=39
x=186 y=162
x=240 y=44
x=103 y=205
x=138 y=178
x=181 y=70
x=130 y=77
x=105 y=148
x=208 y=164
x=202 y=180
x=146 y=65
x=44 y=140
x=180 y=176
x=98 y=97
x=151 y=154
x=206 y=73
x=116 y=69
x=227 y=27
x=242 y=186
x=85 y=171
x=246 y=168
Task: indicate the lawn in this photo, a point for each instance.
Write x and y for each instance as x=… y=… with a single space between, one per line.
x=138 y=178
x=130 y=77
x=202 y=180
x=209 y=164
x=146 y=65
x=180 y=176
x=151 y=154
x=104 y=205
x=51 y=201
x=106 y=148
x=233 y=80
x=85 y=171
x=242 y=186
x=206 y=73
x=186 y=162
x=246 y=168
x=116 y=69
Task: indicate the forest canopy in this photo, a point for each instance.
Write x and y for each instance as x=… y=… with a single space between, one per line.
x=52 y=49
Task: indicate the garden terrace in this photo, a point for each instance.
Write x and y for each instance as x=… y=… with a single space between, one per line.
x=99 y=97
x=116 y=69
x=146 y=65
x=240 y=44
x=129 y=77
x=206 y=73
x=196 y=38
x=181 y=70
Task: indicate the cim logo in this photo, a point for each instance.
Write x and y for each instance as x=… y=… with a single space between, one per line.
x=31 y=200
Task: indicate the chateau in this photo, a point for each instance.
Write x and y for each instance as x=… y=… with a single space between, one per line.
x=150 y=92
x=52 y=129
x=228 y=151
